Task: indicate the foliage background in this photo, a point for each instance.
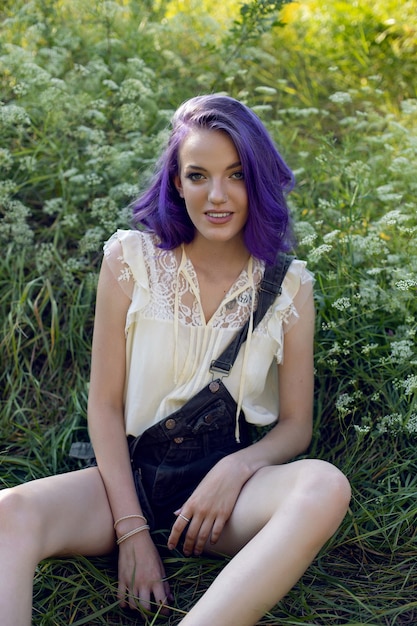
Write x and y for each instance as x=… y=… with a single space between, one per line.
x=87 y=90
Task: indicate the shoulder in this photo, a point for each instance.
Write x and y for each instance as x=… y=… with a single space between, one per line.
x=131 y=249
x=122 y=241
x=296 y=293
x=297 y=275
x=128 y=253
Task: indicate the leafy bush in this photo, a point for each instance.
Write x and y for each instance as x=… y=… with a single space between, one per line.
x=87 y=92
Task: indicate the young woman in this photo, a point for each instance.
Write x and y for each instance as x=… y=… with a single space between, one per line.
x=171 y=296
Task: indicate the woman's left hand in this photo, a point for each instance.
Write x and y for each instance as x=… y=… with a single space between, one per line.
x=209 y=506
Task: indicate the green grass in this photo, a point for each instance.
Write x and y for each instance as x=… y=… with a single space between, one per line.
x=86 y=93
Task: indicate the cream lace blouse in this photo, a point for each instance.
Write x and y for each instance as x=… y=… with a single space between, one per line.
x=169 y=345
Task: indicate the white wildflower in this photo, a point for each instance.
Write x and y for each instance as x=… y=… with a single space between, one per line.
x=342 y=304
x=394 y=217
x=409 y=384
x=329 y=325
x=402 y=351
x=341 y=97
x=13 y=226
x=409 y=107
x=21 y=88
x=411 y=425
x=316 y=254
x=400 y=165
x=93 y=179
x=133 y=89
x=357 y=170
x=7 y=189
x=405 y=285
x=54 y=206
x=131 y=116
x=70 y=220
x=261 y=108
x=344 y=404
x=268 y=91
x=362 y=430
x=392 y=423
x=124 y=190
x=386 y=193
x=6 y=159
x=110 y=84
x=91 y=240
x=45 y=257
x=368 y=348
x=330 y=237
x=13 y=115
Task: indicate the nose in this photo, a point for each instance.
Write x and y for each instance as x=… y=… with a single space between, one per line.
x=217 y=193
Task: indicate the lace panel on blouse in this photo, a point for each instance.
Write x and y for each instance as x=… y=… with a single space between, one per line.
x=165 y=278
x=161 y=268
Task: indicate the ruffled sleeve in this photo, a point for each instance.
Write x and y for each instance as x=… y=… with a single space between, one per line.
x=296 y=289
x=125 y=254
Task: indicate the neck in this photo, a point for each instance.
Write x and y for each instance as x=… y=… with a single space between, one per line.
x=215 y=255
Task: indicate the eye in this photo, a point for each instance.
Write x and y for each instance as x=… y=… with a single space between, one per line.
x=238 y=176
x=195 y=176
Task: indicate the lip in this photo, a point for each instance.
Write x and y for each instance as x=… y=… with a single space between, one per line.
x=218 y=217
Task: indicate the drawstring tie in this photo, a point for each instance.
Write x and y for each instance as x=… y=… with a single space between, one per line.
x=181 y=270
x=246 y=350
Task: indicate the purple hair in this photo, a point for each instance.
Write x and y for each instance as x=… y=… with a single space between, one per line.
x=268 y=229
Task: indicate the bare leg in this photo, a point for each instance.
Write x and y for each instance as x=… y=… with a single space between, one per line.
x=282 y=518
x=60 y=515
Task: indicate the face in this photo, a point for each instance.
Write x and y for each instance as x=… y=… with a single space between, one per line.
x=212 y=184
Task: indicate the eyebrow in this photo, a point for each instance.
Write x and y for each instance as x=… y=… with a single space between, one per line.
x=203 y=169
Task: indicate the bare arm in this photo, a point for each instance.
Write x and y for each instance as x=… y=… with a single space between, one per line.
x=140 y=569
x=213 y=500
x=292 y=434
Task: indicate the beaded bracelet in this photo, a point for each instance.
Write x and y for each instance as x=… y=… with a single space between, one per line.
x=121 y=519
x=131 y=533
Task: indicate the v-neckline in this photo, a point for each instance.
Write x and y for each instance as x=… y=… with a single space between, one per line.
x=190 y=273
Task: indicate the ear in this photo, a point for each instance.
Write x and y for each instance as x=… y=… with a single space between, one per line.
x=178 y=185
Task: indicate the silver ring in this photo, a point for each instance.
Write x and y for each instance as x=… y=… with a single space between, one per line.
x=183 y=517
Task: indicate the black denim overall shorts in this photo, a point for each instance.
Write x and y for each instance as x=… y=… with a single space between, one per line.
x=171 y=458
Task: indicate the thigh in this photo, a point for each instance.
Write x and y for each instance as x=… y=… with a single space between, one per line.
x=70 y=513
x=289 y=489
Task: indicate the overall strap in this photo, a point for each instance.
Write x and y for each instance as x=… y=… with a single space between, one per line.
x=269 y=289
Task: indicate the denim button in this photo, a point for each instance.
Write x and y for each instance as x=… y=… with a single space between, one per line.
x=214 y=386
x=170 y=423
x=208 y=418
x=179 y=439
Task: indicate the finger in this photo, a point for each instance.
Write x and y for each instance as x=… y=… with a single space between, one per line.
x=163 y=607
x=143 y=598
x=167 y=589
x=198 y=527
x=163 y=590
x=177 y=529
x=197 y=542
x=121 y=595
x=169 y=594
x=217 y=530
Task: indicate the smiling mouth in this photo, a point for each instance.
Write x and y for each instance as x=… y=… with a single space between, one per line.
x=218 y=215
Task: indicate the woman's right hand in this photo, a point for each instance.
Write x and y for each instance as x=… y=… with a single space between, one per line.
x=142 y=575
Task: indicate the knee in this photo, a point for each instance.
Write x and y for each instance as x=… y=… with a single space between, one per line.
x=327 y=490
x=18 y=520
